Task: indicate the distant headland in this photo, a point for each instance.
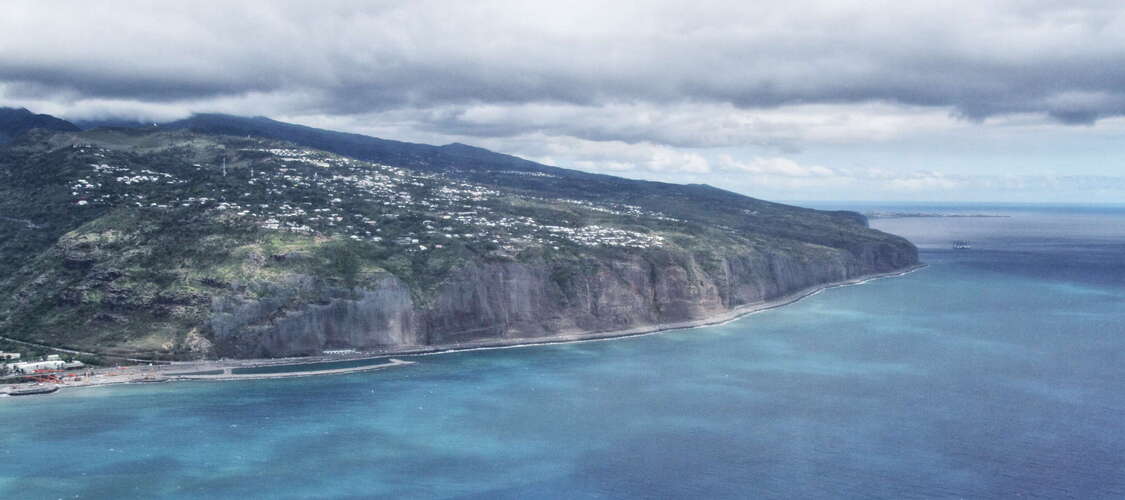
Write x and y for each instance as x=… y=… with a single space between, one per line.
x=905 y=215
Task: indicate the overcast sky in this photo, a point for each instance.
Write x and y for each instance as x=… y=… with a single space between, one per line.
x=789 y=100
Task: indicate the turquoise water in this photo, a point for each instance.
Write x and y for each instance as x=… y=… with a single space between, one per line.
x=993 y=373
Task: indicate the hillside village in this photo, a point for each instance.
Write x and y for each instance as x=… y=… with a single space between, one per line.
x=317 y=193
x=178 y=244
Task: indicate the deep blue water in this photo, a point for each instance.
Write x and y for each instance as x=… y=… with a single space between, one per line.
x=993 y=373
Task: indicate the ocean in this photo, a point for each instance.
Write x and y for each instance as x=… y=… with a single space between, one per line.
x=995 y=372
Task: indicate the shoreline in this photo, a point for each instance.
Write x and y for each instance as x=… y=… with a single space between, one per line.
x=228 y=375
x=715 y=320
x=182 y=370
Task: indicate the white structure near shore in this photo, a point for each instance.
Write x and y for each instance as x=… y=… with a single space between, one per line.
x=50 y=364
x=338 y=352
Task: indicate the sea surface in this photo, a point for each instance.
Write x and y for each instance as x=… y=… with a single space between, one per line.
x=996 y=372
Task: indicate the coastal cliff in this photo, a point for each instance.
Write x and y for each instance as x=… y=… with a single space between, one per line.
x=180 y=243
x=494 y=301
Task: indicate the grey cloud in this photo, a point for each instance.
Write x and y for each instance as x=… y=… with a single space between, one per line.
x=433 y=60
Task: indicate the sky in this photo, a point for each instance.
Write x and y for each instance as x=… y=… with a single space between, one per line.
x=994 y=101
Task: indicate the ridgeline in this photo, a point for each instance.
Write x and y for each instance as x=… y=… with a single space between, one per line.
x=221 y=236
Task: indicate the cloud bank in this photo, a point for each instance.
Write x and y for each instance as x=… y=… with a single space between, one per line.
x=626 y=83
x=980 y=59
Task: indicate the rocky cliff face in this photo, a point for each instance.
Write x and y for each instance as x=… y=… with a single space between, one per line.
x=177 y=244
x=509 y=300
x=381 y=316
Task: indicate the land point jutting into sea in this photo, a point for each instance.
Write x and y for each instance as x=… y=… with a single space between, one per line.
x=923 y=378
x=221 y=237
x=811 y=249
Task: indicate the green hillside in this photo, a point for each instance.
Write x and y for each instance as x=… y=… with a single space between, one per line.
x=119 y=240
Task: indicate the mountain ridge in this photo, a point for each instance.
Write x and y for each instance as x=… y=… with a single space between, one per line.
x=15 y=122
x=212 y=238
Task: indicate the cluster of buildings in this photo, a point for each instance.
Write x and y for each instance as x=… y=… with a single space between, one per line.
x=87 y=192
x=522 y=173
x=313 y=192
x=618 y=209
x=527 y=230
x=10 y=363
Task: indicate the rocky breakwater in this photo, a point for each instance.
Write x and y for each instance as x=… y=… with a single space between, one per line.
x=507 y=299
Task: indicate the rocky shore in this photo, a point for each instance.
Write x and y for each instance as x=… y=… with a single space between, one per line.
x=223 y=370
x=509 y=302
x=151 y=251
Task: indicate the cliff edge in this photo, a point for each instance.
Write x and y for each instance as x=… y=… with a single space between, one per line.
x=180 y=242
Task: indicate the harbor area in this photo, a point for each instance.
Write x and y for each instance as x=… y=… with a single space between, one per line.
x=49 y=379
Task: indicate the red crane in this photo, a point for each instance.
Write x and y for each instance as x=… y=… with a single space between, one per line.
x=47 y=376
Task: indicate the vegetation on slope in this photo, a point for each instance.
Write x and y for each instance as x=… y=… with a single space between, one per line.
x=118 y=240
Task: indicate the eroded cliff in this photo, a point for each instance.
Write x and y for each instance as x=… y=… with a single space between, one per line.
x=495 y=300
x=178 y=244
